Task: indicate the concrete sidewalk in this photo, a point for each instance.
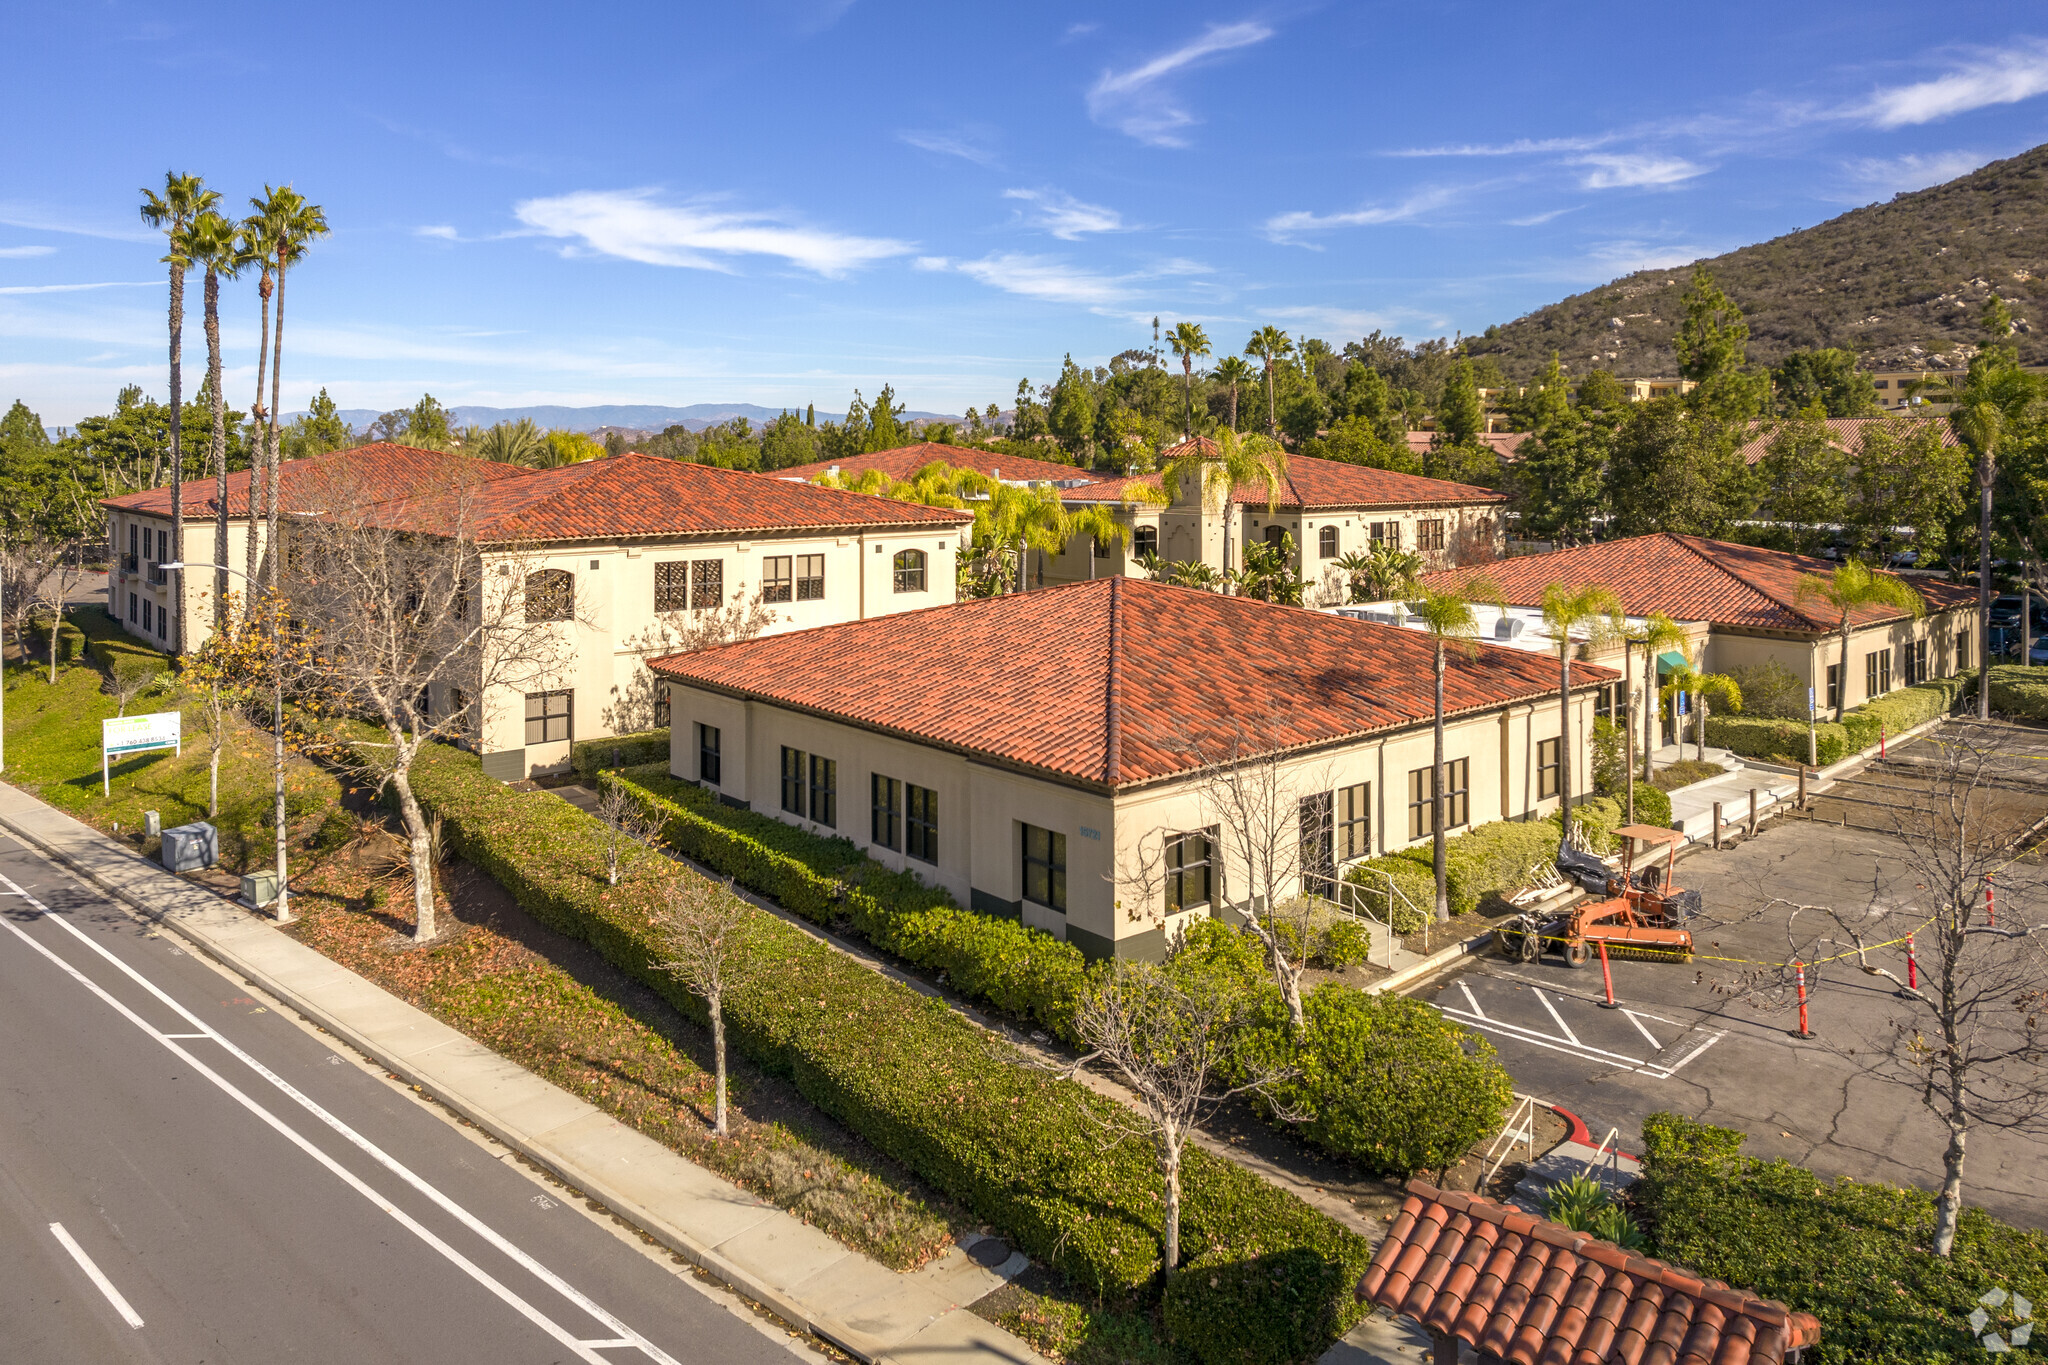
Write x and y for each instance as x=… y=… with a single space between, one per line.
x=807 y=1278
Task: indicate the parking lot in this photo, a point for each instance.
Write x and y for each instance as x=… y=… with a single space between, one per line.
x=1715 y=1037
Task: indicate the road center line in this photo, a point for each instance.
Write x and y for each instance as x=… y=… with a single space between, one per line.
x=1562 y=1026
x=468 y=1219
x=96 y=1275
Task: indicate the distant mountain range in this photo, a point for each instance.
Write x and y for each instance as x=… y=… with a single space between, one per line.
x=628 y=416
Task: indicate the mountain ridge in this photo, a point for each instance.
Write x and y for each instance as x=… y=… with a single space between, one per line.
x=630 y=416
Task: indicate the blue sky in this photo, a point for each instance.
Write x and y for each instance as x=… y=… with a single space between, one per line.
x=778 y=201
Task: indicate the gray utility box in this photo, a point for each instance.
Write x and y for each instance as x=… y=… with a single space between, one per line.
x=260 y=888
x=188 y=848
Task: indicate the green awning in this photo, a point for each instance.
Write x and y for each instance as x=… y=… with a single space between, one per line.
x=1671 y=661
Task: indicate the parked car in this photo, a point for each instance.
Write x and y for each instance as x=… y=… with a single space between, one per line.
x=2005 y=609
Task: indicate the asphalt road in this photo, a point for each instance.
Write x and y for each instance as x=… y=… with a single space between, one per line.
x=187 y=1175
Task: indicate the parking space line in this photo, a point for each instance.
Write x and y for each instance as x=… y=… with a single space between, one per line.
x=1562 y=1027
x=96 y=1275
x=1637 y=1020
x=1473 y=1000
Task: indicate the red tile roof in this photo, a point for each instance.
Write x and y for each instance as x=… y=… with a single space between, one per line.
x=1691 y=578
x=1109 y=682
x=1313 y=485
x=1506 y=444
x=1537 y=1293
x=1845 y=433
x=904 y=461
x=395 y=471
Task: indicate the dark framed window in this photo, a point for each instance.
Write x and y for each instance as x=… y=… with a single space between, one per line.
x=1834 y=686
x=825 y=791
x=1326 y=543
x=775 y=578
x=1318 y=834
x=1144 y=541
x=792 y=780
x=1429 y=534
x=909 y=570
x=1354 y=821
x=148 y=607
x=1385 y=533
x=131 y=606
x=1045 y=868
x=886 y=827
x=550 y=595
x=671 y=585
x=810 y=578
x=1549 y=767
x=1962 y=649
x=1276 y=536
x=548 y=717
x=707 y=584
x=1190 y=870
x=709 y=768
x=662 y=710
x=1457 y=797
x=1916 y=663
x=921 y=823
x=1877 y=673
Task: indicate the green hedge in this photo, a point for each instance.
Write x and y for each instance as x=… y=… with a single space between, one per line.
x=1653 y=807
x=1854 y=1255
x=1417 y=884
x=589 y=757
x=1033 y=1156
x=1754 y=737
x=2019 y=693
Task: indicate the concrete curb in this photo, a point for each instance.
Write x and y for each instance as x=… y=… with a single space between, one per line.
x=1476 y=946
x=767 y=1255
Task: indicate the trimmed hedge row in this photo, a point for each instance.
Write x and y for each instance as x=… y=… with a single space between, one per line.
x=1492 y=859
x=1755 y=737
x=589 y=757
x=2019 y=692
x=1032 y=1155
x=1854 y=1255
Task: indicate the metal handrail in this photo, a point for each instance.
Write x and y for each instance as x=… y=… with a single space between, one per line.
x=1525 y=1114
x=1391 y=891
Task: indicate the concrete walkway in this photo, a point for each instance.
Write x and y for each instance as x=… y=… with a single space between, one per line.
x=804 y=1276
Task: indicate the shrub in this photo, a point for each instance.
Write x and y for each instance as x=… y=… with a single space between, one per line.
x=1032 y=1155
x=1384 y=1080
x=2019 y=693
x=1652 y=806
x=1770 y=691
x=1343 y=944
x=1766 y=739
x=589 y=757
x=1854 y=1255
x=70 y=642
x=1417 y=884
x=1597 y=818
x=1489 y=861
x=336 y=828
x=1266 y=1310
x=1610 y=755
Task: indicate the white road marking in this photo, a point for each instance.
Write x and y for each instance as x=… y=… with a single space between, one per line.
x=1563 y=994
x=1562 y=1027
x=1477 y=1013
x=96 y=1275
x=1637 y=1020
x=467 y=1218
x=600 y=1345
x=1571 y=1046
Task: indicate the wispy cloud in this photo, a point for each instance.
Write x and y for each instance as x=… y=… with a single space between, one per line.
x=1342 y=321
x=442 y=231
x=1078 y=31
x=15 y=253
x=969 y=144
x=1629 y=170
x=1066 y=217
x=1057 y=281
x=1535 y=219
x=1988 y=78
x=75 y=288
x=1287 y=227
x=1913 y=171
x=38 y=218
x=633 y=225
x=1141 y=102
x=1620 y=258
x=1520 y=147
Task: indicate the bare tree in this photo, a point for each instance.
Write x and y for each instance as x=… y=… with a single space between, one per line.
x=131 y=677
x=50 y=595
x=412 y=625
x=1166 y=1033
x=702 y=932
x=624 y=822
x=632 y=707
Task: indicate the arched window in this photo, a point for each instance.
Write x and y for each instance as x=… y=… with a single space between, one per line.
x=909 y=570
x=1144 y=541
x=1276 y=536
x=550 y=595
x=1326 y=542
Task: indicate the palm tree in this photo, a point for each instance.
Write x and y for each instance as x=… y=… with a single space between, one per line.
x=1271 y=345
x=1236 y=461
x=1392 y=571
x=183 y=199
x=1658 y=634
x=257 y=243
x=1233 y=371
x=1565 y=609
x=1447 y=616
x=295 y=224
x=520 y=442
x=1190 y=343
x=211 y=243
x=1851 y=587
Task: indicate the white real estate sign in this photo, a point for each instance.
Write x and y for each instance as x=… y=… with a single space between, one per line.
x=133 y=734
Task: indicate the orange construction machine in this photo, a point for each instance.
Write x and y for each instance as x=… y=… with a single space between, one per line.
x=1636 y=912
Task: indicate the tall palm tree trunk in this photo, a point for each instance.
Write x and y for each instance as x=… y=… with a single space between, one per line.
x=1842 y=677
x=1272 y=403
x=258 y=470
x=177 y=448
x=217 y=451
x=1628 y=732
x=1984 y=481
x=1187 y=393
x=1233 y=405
x=1436 y=799
x=1649 y=712
x=271 y=549
x=1564 y=742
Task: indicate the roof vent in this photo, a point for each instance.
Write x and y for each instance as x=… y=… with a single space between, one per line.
x=1509 y=628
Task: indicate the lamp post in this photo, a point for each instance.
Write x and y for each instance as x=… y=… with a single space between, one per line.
x=284 y=913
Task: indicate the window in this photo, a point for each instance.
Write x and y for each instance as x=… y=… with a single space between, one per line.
x=1549 y=767
x=1834 y=686
x=550 y=595
x=810 y=578
x=1916 y=662
x=1385 y=533
x=132 y=560
x=1881 y=383
x=886 y=828
x=1429 y=534
x=131 y=606
x=147 y=608
x=792 y=780
x=707 y=584
x=1326 y=543
x=1962 y=649
x=921 y=823
x=709 y=769
x=775 y=578
x=1877 y=673
x=1276 y=536
x=1457 y=797
x=1190 y=871
x=662 y=716
x=1144 y=541
x=825 y=791
x=1354 y=821
x=547 y=717
x=671 y=585
x=1317 y=825
x=909 y=568
x=1045 y=868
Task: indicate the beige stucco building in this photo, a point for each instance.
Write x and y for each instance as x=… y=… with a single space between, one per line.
x=1057 y=755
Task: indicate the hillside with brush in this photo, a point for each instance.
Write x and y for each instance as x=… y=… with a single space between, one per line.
x=1900 y=283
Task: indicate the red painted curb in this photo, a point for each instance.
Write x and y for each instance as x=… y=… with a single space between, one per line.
x=1580 y=1133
